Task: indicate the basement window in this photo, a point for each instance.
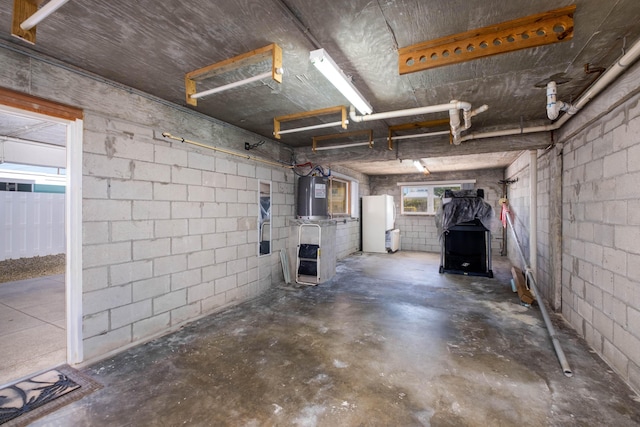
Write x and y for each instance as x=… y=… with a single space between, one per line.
x=341 y=200
x=424 y=198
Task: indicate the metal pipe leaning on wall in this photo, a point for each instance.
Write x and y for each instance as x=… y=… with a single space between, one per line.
x=543 y=309
x=225 y=151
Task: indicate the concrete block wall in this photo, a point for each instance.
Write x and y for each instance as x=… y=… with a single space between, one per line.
x=169 y=237
x=601 y=226
x=347 y=237
x=519 y=204
x=544 y=274
x=169 y=229
x=419 y=232
x=518 y=195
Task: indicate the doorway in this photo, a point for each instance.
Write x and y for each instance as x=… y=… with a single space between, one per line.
x=42 y=157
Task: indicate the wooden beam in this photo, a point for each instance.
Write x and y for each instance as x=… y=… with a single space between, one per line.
x=531 y=31
x=34 y=104
x=23 y=9
x=255 y=56
x=307 y=114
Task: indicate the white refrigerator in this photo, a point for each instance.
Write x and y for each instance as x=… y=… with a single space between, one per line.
x=378 y=220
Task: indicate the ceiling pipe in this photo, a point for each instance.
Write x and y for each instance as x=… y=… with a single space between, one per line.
x=553 y=105
x=604 y=81
x=452 y=107
x=467 y=114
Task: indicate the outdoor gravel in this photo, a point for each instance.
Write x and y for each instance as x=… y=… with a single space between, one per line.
x=29 y=268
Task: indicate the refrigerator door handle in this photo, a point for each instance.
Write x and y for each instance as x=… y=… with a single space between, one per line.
x=395 y=213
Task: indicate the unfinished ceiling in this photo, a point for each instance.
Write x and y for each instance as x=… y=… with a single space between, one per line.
x=151 y=45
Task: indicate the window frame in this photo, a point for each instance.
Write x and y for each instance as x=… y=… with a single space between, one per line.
x=431 y=187
x=351 y=196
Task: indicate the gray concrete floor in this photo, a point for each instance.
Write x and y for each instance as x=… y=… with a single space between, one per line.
x=33 y=328
x=388 y=342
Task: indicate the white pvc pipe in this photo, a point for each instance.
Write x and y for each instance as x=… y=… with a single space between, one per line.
x=552 y=106
x=454 y=121
x=452 y=107
x=533 y=212
x=409 y=112
x=231 y=85
x=42 y=13
x=609 y=76
x=320 y=126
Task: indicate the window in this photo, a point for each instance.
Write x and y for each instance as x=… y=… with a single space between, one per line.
x=424 y=199
x=339 y=200
x=343 y=196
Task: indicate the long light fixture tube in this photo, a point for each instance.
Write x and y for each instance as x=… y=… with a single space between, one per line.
x=42 y=13
x=323 y=62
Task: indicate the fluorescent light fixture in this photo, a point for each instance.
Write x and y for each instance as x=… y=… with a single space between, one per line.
x=334 y=74
x=42 y=13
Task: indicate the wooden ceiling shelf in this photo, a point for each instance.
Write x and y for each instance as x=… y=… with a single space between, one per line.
x=272 y=51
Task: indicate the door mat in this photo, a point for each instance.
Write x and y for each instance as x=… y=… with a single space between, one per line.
x=23 y=402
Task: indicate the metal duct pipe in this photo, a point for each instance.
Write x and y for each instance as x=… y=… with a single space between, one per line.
x=543 y=309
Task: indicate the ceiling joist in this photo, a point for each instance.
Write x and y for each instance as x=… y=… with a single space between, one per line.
x=272 y=51
x=531 y=31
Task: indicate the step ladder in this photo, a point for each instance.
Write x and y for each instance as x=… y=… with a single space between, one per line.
x=308 y=255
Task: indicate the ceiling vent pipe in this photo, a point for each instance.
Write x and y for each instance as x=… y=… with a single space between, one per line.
x=554 y=106
x=604 y=81
x=452 y=107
